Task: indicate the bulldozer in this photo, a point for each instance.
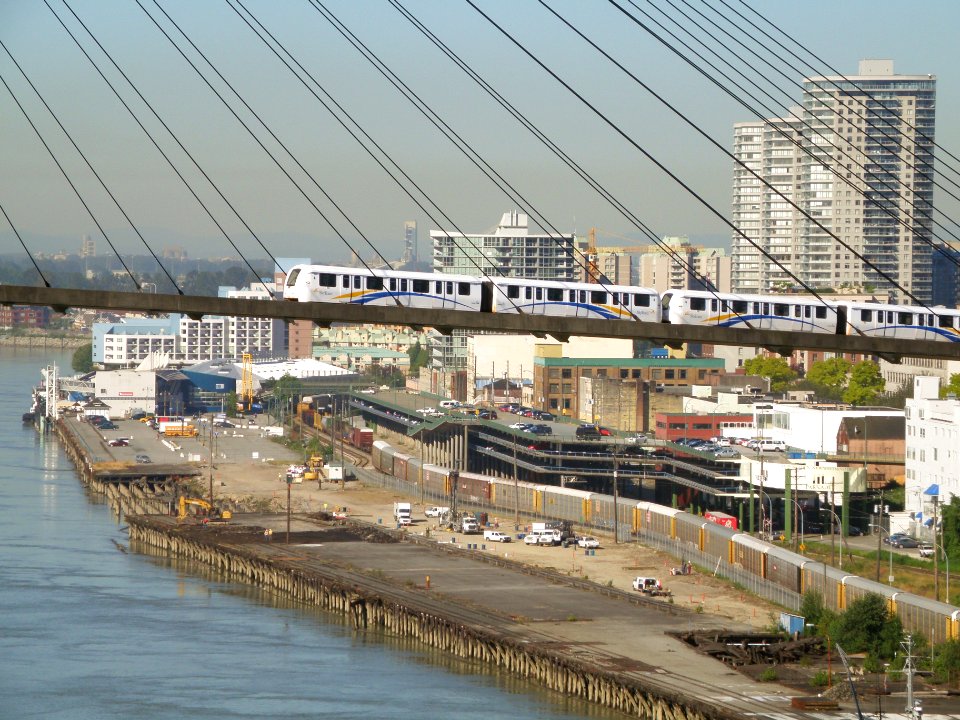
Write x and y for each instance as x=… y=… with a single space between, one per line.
x=213 y=515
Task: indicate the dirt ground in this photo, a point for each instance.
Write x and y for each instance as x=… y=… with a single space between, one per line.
x=261 y=485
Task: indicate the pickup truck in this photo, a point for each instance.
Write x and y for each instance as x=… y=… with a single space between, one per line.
x=647 y=585
x=495 y=536
x=436 y=511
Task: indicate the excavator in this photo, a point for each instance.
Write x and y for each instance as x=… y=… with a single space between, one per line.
x=214 y=515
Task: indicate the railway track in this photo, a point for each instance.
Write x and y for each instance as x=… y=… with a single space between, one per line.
x=357 y=457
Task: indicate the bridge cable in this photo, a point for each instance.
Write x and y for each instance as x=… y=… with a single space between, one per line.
x=150 y=137
x=466 y=237
x=96 y=175
x=634 y=143
x=832 y=167
x=552 y=146
x=435 y=119
x=739 y=162
x=260 y=143
x=66 y=177
x=25 y=248
x=836 y=72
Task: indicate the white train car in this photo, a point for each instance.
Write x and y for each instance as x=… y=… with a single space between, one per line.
x=580 y=300
x=796 y=313
x=333 y=284
x=905 y=322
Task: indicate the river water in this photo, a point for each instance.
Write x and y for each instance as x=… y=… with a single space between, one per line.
x=90 y=630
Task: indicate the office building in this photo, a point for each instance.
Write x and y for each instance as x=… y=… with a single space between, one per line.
x=855 y=140
x=510 y=250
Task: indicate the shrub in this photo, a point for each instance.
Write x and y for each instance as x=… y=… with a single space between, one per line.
x=768 y=675
x=821 y=679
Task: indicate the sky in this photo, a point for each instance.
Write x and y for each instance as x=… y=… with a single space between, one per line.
x=332 y=196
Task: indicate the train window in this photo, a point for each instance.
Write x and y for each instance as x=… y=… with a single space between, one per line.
x=513 y=291
x=698 y=303
x=890 y=319
x=554 y=294
x=327 y=279
x=920 y=319
x=756 y=308
x=374 y=283
x=403 y=284
x=866 y=316
x=539 y=293
x=641 y=300
x=528 y=293
x=807 y=311
x=420 y=286
x=598 y=296
x=946 y=321
x=438 y=288
x=798 y=311
x=820 y=312
x=766 y=308
x=905 y=318
x=614 y=298
x=740 y=307
x=292 y=277
x=572 y=295
x=357 y=281
x=781 y=309
x=583 y=296
x=346 y=281
x=393 y=284
x=713 y=304
x=450 y=288
x=463 y=288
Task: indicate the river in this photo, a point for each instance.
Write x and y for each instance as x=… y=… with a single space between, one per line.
x=91 y=630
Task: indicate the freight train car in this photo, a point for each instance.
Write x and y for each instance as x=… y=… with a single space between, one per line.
x=566 y=504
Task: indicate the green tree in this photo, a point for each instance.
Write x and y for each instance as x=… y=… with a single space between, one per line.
x=952 y=387
x=866 y=383
x=418 y=357
x=82 y=361
x=230 y=404
x=946 y=661
x=868 y=626
x=775 y=368
x=830 y=374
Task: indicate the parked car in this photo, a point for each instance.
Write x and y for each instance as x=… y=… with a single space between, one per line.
x=531 y=539
x=108 y=425
x=519 y=426
x=119 y=442
x=138 y=415
x=436 y=511
x=487 y=415
x=925 y=550
x=905 y=542
x=588 y=541
x=540 y=429
x=890 y=539
x=544 y=415
x=496 y=536
x=637 y=439
x=725 y=452
x=589 y=431
x=143 y=459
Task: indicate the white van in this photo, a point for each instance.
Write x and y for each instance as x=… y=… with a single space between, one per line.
x=448 y=404
x=768 y=445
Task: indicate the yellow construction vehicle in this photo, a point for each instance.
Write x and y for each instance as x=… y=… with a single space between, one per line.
x=213 y=514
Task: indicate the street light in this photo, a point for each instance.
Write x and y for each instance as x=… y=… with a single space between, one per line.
x=839 y=527
x=883 y=529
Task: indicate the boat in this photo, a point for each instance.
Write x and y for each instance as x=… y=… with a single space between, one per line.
x=28 y=417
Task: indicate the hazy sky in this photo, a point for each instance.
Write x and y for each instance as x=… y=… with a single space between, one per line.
x=920 y=37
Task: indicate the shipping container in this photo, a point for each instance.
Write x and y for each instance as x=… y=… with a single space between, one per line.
x=721 y=518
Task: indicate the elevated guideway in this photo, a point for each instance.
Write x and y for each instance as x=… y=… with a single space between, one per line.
x=446 y=320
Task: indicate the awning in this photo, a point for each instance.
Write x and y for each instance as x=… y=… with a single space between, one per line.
x=932 y=490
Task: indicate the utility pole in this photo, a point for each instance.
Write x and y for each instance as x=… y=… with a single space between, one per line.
x=616 y=520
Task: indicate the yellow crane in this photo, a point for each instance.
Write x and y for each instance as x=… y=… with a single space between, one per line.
x=246 y=382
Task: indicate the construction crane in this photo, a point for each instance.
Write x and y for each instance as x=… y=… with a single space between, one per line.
x=246 y=383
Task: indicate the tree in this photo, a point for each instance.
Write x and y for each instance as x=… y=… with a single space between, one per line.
x=946 y=661
x=830 y=374
x=82 y=360
x=775 y=368
x=868 y=626
x=866 y=384
x=418 y=357
x=230 y=404
x=952 y=387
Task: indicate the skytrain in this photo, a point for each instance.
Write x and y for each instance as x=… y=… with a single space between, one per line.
x=798 y=313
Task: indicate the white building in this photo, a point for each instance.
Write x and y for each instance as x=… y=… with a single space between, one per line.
x=812 y=428
x=126 y=390
x=933 y=451
x=845 y=149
